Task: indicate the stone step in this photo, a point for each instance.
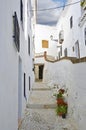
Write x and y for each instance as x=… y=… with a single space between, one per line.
x=41 y=106
x=40 y=89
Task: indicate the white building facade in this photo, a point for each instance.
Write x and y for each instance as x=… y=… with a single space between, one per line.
x=16 y=65
x=43 y=43
x=72 y=23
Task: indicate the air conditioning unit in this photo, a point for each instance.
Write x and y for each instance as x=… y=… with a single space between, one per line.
x=61 y=36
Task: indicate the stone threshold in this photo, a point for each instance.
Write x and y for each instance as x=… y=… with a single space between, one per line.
x=41 y=106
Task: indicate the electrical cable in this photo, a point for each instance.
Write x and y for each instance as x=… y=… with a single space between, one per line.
x=57 y=7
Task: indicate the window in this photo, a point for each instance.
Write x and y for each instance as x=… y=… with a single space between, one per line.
x=44 y=44
x=16 y=31
x=71 y=21
x=61 y=36
x=61 y=50
x=85 y=35
x=65 y=52
x=21 y=11
x=73 y=48
x=24 y=85
x=33 y=68
x=28 y=45
x=77 y=49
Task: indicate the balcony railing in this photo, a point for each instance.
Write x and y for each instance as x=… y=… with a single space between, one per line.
x=16 y=31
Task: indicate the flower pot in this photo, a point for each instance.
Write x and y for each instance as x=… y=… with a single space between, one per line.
x=60 y=101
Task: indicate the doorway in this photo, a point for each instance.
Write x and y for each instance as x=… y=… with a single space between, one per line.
x=77 y=50
x=65 y=52
x=39 y=72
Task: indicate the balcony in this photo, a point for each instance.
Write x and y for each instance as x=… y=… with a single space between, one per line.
x=82 y=19
x=61 y=36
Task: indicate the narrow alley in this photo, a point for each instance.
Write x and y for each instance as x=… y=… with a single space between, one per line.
x=43 y=65
x=40 y=112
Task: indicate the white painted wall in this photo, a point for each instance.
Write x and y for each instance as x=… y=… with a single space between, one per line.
x=26 y=58
x=27 y=62
x=71 y=35
x=8 y=68
x=9 y=61
x=71 y=76
x=43 y=32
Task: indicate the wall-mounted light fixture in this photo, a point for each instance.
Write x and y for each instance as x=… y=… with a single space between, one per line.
x=51 y=37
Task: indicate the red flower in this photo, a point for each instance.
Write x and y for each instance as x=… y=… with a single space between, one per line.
x=61 y=90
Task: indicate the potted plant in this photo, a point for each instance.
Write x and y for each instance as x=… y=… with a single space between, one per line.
x=60 y=98
x=62 y=110
x=62 y=106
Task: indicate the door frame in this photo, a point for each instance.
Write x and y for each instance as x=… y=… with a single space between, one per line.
x=37 y=72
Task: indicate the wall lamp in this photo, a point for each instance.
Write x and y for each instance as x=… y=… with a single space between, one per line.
x=51 y=37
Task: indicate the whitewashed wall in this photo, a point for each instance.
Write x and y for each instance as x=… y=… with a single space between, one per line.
x=43 y=32
x=71 y=35
x=27 y=62
x=8 y=67
x=71 y=76
x=9 y=64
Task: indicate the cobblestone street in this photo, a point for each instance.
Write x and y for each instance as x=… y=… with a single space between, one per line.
x=40 y=112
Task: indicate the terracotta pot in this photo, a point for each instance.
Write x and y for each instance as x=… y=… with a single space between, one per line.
x=60 y=101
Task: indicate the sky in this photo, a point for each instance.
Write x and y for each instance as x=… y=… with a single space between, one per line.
x=49 y=17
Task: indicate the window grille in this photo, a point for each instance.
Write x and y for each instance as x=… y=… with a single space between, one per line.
x=21 y=11
x=28 y=44
x=16 y=32
x=71 y=21
x=85 y=35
